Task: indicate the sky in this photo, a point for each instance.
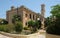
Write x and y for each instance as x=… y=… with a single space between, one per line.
x=34 y=5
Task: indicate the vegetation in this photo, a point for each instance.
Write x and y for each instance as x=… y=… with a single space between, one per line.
x=48 y=21
x=7 y=28
x=18 y=24
x=34 y=25
x=19 y=27
x=16 y=27
x=3 y=22
x=55 y=10
x=54 y=27
x=26 y=28
x=38 y=24
x=16 y=18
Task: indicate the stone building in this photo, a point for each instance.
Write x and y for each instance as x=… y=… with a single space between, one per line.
x=25 y=13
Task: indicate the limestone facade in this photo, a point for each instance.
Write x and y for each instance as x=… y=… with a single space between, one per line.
x=25 y=13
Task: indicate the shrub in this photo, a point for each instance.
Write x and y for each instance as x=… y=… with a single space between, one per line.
x=7 y=28
x=47 y=21
x=33 y=30
x=4 y=28
x=3 y=22
x=18 y=27
x=26 y=28
x=30 y=23
x=10 y=28
x=37 y=24
x=54 y=28
x=34 y=25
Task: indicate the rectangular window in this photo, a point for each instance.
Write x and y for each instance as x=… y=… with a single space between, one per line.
x=33 y=17
x=26 y=15
x=26 y=23
x=30 y=16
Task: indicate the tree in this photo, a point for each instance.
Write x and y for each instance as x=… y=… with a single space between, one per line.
x=54 y=27
x=16 y=18
x=48 y=21
x=30 y=23
x=3 y=21
x=34 y=25
x=19 y=27
x=55 y=10
x=39 y=24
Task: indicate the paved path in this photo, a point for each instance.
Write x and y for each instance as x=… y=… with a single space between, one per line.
x=42 y=35
x=2 y=36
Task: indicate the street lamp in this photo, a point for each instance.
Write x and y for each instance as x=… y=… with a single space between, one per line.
x=38 y=18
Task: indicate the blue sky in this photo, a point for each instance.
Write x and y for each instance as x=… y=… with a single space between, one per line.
x=34 y=5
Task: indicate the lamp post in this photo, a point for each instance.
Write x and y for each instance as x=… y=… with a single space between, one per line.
x=38 y=19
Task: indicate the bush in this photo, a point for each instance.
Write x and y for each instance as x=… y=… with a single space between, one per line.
x=26 y=28
x=47 y=21
x=7 y=28
x=19 y=27
x=1 y=28
x=33 y=30
x=34 y=25
x=11 y=28
x=3 y=22
x=30 y=23
x=54 y=28
x=37 y=24
x=4 y=28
